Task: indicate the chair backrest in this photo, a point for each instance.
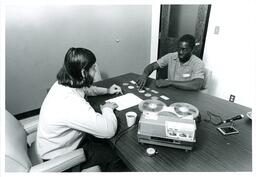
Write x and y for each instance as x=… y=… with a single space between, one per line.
x=16 y=157
x=207 y=78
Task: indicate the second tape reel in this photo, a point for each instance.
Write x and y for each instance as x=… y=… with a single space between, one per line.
x=186 y=109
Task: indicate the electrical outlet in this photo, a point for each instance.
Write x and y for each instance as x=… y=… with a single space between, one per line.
x=232 y=98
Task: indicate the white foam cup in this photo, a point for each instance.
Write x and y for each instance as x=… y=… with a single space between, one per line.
x=130 y=118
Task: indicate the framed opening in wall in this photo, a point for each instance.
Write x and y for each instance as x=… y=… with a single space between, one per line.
x=177 y=20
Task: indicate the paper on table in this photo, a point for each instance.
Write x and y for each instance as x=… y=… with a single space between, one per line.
x=125 y=101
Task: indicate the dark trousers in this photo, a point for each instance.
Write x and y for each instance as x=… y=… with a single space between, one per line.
x=99 y=152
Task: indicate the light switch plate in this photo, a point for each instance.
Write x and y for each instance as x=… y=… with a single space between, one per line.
x=217 y=30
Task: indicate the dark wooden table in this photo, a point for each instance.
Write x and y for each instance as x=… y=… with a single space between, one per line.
x=212 y=152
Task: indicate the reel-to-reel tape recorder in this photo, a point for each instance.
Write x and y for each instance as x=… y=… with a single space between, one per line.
x=171 y=126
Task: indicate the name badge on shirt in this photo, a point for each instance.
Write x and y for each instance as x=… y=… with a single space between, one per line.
x=186 y=75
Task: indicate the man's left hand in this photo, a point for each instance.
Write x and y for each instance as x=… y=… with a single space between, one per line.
x=162 y=83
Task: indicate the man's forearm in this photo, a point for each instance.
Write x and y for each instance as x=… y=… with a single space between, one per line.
x=194 y=84
x=150 y=68
x=94 y=91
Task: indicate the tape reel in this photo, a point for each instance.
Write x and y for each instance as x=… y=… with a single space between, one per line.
x=151 y=106
x=185 y=109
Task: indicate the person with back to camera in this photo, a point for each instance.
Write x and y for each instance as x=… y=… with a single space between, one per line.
x=185 y=70
x=67 y=121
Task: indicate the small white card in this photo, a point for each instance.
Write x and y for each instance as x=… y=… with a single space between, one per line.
x=164 y=97
x=154 y=91
x=133 y=82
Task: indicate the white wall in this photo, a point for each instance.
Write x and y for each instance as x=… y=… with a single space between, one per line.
x=37 y=38
x=231 y=54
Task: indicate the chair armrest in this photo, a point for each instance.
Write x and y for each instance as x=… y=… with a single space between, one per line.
x=31 y=138
x=61 y=163
x=30 y=124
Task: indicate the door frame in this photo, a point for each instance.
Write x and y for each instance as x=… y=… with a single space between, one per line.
x=170 y=43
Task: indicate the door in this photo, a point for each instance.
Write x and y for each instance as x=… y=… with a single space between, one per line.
x=177 y=20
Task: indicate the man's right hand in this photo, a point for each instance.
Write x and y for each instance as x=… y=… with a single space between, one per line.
x=141 y=81
x=109 y=105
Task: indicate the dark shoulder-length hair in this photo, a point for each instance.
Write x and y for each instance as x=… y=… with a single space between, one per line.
x=76 y=59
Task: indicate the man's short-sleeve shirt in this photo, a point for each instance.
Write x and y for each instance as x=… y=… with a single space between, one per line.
x=177 y=71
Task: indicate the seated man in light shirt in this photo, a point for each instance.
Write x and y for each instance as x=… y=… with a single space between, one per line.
x=67 y=121
x=185 y=70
